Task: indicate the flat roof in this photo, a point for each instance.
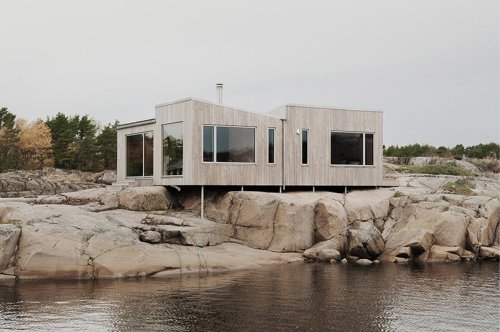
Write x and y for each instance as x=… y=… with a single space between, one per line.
x=136 y=123
x=267 y=114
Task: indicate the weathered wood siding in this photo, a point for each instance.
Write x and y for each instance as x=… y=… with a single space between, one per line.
x=320 y=122
x=121 y=145
x=194 y=115
x=181 y=111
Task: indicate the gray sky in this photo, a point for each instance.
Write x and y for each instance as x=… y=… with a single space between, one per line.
x=431 y=66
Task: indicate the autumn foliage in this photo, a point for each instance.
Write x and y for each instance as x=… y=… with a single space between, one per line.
x=72 y=142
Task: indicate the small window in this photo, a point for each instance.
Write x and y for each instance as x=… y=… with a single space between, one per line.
x=208 y=144
x=368 y=149
x=305 y=134
x=270 y=145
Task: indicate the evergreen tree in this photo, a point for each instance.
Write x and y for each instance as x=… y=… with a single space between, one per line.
x=106 y=141
x=9 y=140
x=64 y=131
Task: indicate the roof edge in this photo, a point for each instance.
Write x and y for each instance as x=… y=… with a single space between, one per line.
x=334 y=108
x=136 y=124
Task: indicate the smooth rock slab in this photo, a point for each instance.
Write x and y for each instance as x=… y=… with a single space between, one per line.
x=9 y=235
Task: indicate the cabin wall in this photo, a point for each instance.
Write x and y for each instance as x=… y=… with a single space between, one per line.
x=259 y=173
x=181 y=111
x=320 y=122
x=121 y=152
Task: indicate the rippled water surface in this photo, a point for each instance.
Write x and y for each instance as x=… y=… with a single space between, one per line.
x=302 y=297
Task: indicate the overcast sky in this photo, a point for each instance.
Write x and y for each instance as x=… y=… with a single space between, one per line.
x=431 y=66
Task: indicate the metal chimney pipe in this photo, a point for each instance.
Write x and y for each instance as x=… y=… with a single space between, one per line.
x=219 y=87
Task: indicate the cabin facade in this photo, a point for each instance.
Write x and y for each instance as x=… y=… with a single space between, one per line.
x=192 y=142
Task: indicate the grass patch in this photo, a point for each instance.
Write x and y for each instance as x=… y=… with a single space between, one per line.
x=438 y=169
x=459 y=187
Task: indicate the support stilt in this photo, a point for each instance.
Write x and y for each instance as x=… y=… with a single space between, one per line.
x=345 y=190
x=242 y=188
x=314 y=189
x=202 y=202
x=280 y=189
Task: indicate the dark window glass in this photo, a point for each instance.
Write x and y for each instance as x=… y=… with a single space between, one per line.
x=346 y=148
x=368 y=149
x=208 y=143
x=148 y=154
x=304 y=146
x=235 y=145
x=270 y=146
x=135 y=155
x=172 y=148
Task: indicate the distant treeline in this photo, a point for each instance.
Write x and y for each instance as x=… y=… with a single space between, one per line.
x=490 y=150
x=70 y=142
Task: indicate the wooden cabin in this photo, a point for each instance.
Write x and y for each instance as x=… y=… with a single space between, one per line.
x=191 y=142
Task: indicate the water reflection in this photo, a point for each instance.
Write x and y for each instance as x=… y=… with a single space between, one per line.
x=305 y=297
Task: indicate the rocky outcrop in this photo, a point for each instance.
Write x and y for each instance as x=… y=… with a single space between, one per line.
x=9 y=235
x=144 y=198
x=50 y=181
x=102 y=199
x=365 y=241
x=59 y=241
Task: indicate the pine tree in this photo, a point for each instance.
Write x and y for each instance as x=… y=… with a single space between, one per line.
x=106 y=141
x=9 y=140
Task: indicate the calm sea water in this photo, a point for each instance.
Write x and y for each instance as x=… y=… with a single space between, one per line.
x=301 y=297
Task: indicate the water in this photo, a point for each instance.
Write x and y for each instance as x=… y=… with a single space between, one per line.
x=295 y=297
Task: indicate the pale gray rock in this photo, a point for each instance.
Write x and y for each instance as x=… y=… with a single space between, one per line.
x=145 y=199
x=327 y=255
x=443 y=254
x=150 y=237
x=9 y=235
x=364 y=262
x=368 y=204
x=330 y=222
x=489 y=252
x=69 y=242
x=451 y=229
x=312 y=253
x=366 y=241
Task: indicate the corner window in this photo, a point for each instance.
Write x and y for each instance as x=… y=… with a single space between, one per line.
x=172 y=149
x=270 y=145
x=139 y=154
x=351 y=148
x=304 y=140
x=228 y=144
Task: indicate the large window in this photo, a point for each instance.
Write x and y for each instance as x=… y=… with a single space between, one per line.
x=270 y=145
x=228 y=144
x=172 y=149
x=304 y=141
x=351 y=148
x=140 y=154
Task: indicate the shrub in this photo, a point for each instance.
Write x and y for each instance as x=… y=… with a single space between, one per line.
x=438 y=169
x=460 y=187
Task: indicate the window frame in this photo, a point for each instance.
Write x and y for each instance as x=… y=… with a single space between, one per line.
x=274 y=145
x=142 y=133
x=215 y=145
x=163 y=176
x=363 y=151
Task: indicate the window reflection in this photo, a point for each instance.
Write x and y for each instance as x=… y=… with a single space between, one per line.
x=172 y=149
